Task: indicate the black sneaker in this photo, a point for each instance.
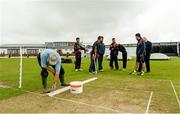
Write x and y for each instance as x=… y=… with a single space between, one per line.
x=46 y=91
x=65 y=84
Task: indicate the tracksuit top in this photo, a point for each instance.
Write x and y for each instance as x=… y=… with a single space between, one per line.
x=78 y=48
x=140 y=50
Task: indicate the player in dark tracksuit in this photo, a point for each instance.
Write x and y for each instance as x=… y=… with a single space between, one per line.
x=140 y=53
x=114 y=54
x=101 y=52
x=148 y=53
x=77 y=51
x=122 y=49
x=94 y=55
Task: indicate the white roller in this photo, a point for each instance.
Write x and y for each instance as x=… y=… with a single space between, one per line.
x=89 y=80
x=53 y=93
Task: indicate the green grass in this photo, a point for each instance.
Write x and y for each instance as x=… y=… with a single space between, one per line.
x=157 y=81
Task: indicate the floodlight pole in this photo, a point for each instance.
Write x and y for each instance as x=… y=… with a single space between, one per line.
x=178 y=43
x=20 y=68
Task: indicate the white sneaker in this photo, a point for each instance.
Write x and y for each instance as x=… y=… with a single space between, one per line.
x=101 y=70
x=134 y=72
x=124 y=69
x=76 y=70
x=142 y=73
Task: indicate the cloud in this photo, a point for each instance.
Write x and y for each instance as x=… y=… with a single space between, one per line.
x=38 y=21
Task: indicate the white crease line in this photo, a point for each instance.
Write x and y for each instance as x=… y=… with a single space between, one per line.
x=82 y=103
x=73 y=101
x=149 y=102
x=128 y=89
x=175 y=93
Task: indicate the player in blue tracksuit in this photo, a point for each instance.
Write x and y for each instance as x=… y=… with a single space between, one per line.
x=101 y=52
x=140 y=53
x=95 y=54
x=148 y=54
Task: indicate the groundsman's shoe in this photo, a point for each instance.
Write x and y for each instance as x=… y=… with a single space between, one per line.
x=46 y=91
x=65 y=84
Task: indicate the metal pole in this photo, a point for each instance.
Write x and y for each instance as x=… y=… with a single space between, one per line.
x=20 y=69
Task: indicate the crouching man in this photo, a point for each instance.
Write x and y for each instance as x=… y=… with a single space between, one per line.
x=50 y=61
x=122 y=49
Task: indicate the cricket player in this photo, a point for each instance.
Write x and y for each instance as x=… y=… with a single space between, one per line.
x=114 y=54
x=101 y=52
x=94 y=55
x=122 y=49
x=50 y=61
x=140 y=53
x=148 y=53
x=77 y=51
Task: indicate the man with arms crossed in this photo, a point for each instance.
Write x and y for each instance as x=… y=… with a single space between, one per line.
x=148 y=53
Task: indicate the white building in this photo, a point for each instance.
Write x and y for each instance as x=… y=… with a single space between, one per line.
x=168 y=48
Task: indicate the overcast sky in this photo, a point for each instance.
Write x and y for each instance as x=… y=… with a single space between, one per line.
x=39 y=21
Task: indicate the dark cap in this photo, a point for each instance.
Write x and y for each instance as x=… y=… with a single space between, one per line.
x=99 y=37
x=138 y=35
x=77 y=38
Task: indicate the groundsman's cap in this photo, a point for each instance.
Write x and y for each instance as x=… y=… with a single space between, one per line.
x=53 y=58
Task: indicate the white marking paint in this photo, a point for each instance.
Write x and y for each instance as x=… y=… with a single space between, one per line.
x=149 y=102
x=175 y=93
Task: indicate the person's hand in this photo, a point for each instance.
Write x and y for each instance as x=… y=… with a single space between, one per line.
x=55 y=79
x=141 y=56
x=94 y=56
x=86 y=50
x=117 y=45
x=54 y=86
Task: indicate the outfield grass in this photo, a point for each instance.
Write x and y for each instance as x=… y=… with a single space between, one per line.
x=113 y=89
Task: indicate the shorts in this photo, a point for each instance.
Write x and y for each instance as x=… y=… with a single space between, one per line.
x=140 y=58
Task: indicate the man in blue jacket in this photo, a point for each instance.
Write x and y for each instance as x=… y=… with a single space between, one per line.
x=140 y=53
x=95 y=54
x=148 y=53
x=101 y=52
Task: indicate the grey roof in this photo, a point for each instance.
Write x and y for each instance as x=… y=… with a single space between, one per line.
x=22 y=45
